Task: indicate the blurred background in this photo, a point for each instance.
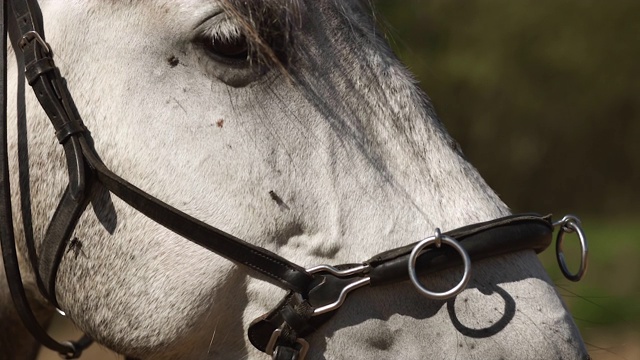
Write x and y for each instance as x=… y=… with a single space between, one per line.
x=544 y=98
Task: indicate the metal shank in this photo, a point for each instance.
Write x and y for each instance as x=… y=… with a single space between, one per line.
x=356 y=271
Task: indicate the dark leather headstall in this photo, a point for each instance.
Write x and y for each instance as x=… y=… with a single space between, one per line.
x=314 y=294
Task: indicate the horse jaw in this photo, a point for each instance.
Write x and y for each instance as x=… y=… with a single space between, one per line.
x=345 y=161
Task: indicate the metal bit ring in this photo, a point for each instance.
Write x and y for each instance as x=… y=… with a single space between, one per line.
x=437 y=240
x=570 y=224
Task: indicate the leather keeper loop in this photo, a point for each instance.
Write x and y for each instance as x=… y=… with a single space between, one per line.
x=34 y=70
x=298 y=317
x=68 y=129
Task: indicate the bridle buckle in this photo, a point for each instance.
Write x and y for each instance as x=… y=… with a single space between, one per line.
x=272 y=348
x=34 y=35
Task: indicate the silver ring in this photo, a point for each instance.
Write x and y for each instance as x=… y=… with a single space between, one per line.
x=439 y=239
x=570 y=224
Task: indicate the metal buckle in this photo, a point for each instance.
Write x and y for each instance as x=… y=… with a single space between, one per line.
x=33 y=35
x=438 y=240
x=570 y=224
x=358 y=270
x=271 y=345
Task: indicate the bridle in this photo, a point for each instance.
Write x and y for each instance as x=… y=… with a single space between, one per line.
x=315 y=294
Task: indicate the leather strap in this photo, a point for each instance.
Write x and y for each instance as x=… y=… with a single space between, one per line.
x=487 y=239
x=49 y=89
x=272 y=267
x=54 y=97
x=7 y=239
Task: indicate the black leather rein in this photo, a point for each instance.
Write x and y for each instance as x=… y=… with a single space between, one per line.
x=314 y=294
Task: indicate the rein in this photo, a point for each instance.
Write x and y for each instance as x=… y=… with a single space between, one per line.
x=315 y=294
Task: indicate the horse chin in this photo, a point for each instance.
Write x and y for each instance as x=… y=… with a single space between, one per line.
x=140 y=311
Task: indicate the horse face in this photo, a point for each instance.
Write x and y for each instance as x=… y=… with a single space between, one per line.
x=299 y=132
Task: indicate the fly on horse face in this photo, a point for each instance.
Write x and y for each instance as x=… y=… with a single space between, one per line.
x=258 y=140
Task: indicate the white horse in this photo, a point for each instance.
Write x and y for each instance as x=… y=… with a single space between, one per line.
x=286 y=123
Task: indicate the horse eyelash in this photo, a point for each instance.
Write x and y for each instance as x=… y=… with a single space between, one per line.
x=223 y=31
x=228 y=30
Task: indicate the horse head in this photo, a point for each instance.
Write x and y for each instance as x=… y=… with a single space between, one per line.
x=290 y=125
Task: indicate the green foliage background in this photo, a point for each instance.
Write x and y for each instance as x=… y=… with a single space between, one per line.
x=543 y=95
x=544 y=98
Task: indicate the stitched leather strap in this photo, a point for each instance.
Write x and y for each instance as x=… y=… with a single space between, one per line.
x=492 y=238
x=270 y=266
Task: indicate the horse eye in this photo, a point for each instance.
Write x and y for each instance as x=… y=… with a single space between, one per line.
x=232 y=49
